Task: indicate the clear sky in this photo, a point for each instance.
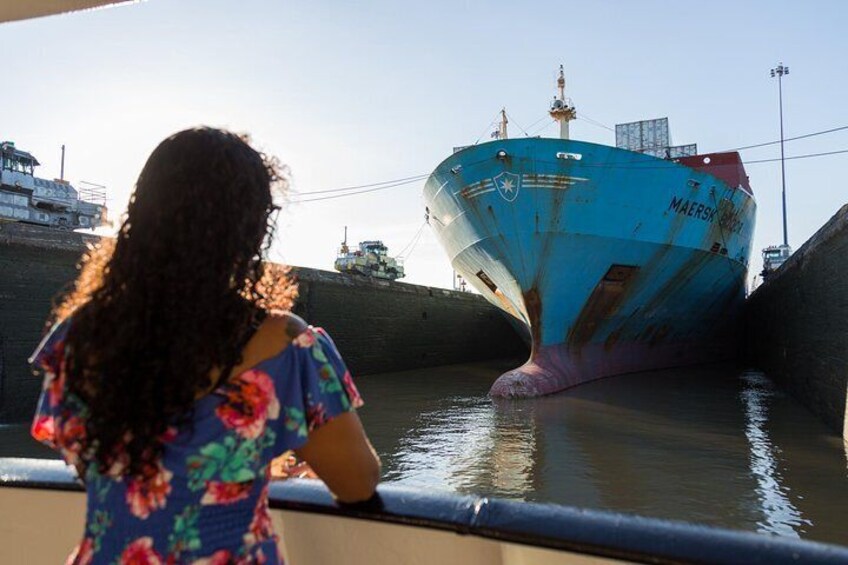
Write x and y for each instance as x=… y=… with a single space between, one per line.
x=350 y=93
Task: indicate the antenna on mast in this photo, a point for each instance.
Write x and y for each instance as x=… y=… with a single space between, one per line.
x=562 y=109
x=344 y=248
x=501 y=132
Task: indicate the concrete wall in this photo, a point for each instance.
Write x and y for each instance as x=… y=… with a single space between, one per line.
x=797 y=323
x=35 y=264
x=379 y=326
x=382 y=326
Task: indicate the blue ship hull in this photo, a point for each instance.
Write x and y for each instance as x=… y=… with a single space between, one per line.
x=616 y=261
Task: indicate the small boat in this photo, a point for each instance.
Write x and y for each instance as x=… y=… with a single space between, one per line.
x=402 y=525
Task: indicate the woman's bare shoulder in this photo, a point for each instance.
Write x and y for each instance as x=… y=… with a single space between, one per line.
x=272 y=337
x=283 y=324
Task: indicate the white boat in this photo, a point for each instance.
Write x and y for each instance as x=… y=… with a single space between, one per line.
x=44 y=509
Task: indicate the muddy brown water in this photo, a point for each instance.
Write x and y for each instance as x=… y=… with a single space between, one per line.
x=713 y=445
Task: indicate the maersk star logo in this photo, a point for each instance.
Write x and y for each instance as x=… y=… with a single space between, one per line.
x=508 y=185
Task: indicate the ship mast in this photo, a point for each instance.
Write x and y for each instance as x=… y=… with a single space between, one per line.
x=502 y=134
x=562 y=110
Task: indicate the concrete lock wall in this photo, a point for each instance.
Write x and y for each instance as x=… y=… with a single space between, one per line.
x=35 y=265
x=379 y=326
x=382 y=326
x=797 y=323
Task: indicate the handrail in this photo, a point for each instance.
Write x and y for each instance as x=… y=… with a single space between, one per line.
x=592 y=532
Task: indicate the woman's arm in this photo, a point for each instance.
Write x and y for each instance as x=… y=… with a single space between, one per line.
x=340 y=453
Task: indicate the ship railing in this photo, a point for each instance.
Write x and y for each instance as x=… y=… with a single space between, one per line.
x=401 y=524
x=92 y=193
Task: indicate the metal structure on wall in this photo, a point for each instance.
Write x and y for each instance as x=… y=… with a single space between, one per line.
x=51 y=203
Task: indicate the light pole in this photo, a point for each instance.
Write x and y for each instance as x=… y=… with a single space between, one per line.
x=778 y=72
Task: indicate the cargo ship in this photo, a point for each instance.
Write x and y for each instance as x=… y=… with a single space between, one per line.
x=618 y=259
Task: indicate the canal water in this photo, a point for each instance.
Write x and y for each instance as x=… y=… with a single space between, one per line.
x=711 y=445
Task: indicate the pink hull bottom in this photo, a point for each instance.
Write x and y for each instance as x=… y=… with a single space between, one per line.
x=554 y=368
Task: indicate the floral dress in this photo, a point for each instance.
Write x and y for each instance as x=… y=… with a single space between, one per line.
x=208 y=503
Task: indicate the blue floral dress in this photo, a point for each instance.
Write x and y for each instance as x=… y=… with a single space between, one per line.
x=208 y=503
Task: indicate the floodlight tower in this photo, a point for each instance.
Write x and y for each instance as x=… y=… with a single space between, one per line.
x=778 y=72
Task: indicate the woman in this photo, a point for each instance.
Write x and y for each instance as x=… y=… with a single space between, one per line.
x=173 y=374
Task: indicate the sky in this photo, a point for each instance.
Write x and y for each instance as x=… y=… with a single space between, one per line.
x=353 y=93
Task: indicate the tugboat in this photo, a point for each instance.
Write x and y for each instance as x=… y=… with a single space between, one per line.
x=370 y=260
x=50 y=203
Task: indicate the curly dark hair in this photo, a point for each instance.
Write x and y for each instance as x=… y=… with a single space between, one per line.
x=170 y=303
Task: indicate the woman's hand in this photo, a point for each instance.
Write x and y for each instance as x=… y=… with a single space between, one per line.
x=286 y=466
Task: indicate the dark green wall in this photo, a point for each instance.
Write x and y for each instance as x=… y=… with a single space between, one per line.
x=35 y=264
x=798 y=323
x=384 y=326
x=378 y=326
